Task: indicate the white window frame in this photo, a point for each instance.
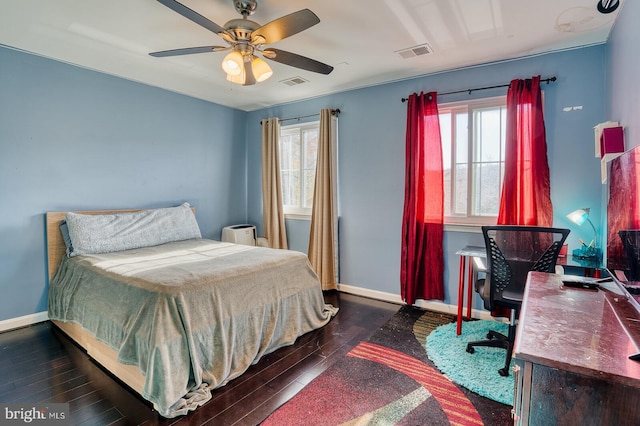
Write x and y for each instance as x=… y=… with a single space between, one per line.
x=290 y=211
x=469 y=219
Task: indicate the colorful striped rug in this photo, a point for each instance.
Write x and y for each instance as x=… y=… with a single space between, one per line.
x=388 y=380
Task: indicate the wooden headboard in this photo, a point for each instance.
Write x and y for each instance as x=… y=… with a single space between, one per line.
x=56 y=249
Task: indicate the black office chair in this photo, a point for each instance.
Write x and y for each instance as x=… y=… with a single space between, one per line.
x=513 y=251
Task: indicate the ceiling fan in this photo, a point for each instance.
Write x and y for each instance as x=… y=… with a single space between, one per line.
x=246 y=40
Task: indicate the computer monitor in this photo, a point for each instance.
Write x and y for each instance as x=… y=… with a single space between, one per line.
x=623 y=217
x=631 y=245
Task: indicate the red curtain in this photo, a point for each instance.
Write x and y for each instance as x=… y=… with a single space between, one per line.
x=422 y=257
x=526 y=191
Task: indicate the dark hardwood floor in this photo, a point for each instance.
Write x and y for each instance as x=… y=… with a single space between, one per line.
x=40 y=364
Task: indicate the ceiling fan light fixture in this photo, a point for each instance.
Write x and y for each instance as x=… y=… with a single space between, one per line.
x=261 y=70
x=245 y=77
x=232 y=64
x=238 y=79
x=244 y=37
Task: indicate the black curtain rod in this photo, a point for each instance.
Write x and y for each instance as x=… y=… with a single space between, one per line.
x=546 y=80
x=333 y=112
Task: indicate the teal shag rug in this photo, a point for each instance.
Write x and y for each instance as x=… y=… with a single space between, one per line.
x=477 y=372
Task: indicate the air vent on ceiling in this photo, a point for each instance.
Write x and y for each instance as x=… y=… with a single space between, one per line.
x=294 y=81
x=411 y=52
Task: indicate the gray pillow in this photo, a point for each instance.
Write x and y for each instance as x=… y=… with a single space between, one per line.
x=105 y=233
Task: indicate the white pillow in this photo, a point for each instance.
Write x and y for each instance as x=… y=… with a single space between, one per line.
x=105 y=233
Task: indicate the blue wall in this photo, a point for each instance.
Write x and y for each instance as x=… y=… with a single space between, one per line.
x=76 y=139
x=371 y=157
x=623 y=63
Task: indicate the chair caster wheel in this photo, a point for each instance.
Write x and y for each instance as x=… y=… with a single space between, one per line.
x=470 y=349
x=504 y=372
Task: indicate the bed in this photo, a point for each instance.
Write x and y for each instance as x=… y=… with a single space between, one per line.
x=177 y=319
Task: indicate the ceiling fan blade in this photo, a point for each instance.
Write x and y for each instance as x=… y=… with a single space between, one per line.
x=297 y=61
x=284 y=27
x=188 y=51
x=194 y=16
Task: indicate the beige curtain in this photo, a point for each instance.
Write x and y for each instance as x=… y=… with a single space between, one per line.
x=272 y=212
x=323 y=239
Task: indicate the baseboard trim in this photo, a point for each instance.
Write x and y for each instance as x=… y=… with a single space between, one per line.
x=424 y=304
x=13 y=323
x=26 y=320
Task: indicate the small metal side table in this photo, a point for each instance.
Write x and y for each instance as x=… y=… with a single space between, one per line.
x=469 y=271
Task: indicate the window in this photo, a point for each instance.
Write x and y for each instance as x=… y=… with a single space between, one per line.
x=298 y=153
x=473 y=141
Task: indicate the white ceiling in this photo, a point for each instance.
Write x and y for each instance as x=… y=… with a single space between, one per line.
x=359 y=38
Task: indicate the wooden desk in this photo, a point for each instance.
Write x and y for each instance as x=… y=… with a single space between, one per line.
x=467 y=254
x=571 y=352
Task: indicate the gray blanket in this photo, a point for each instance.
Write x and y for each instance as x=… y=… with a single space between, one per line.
x=191 y=314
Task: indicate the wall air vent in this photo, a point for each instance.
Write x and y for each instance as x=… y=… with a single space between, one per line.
x=414 y=51
x=294 y=81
